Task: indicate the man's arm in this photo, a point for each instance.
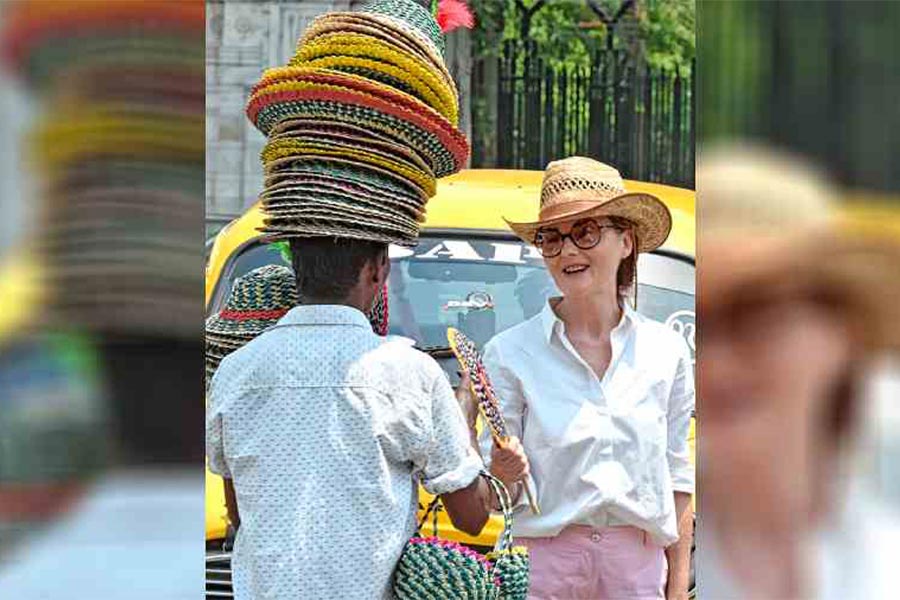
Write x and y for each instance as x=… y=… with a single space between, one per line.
x=454 y=459
x=470 y=507
x=215 y=449
x=678 y=554
x=234 y=516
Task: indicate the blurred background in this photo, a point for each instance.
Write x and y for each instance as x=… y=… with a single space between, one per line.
x=818 y=78
x=801 y=95
x=102 y=214
x=101 y=272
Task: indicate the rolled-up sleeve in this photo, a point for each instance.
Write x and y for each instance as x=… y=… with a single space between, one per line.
x=215 y=448
x=680 y=412
x=450 y=462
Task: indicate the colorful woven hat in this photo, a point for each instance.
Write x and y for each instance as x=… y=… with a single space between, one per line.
x=379 y=315
x=283 y=94
x=257 y=301
x=411 y=14
x=380 y=62
x=390 y=30
x=446 y=148
x=286 y=187
x=361 y=123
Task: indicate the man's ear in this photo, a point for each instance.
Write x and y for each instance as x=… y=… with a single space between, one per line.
x=381 y=268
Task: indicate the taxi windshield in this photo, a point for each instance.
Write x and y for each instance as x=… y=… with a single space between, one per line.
x=484 y=284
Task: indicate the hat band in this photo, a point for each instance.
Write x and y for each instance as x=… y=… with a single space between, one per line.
x=253 y=315
x=565 y=209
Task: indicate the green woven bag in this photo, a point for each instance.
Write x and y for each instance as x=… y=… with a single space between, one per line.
x=439 y=569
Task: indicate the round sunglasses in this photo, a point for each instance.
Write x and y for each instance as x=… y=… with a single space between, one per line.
x=585 y=234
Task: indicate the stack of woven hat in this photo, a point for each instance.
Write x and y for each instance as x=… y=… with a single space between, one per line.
x=360 y=124
x=119 y=151
x=257 y=301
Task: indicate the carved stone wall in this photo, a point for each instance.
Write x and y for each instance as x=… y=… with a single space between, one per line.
x=242 y=39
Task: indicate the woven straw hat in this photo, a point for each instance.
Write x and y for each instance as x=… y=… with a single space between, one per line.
x=394 y=30
x=579 y=187
x=768 y=221
x=411 y=14
x=257 y=301
x=446 y=149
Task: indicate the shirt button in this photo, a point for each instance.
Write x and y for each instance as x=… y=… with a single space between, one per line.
x=595 y=537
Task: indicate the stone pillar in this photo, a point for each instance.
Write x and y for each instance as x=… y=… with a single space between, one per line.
x=458 y=56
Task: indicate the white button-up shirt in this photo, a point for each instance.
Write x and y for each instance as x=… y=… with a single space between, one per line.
x=325 y=429
x=603 y=452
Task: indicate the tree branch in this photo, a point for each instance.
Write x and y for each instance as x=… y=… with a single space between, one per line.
x=622 y=9
x=599 y=11
x=535 y=7
x=604 y=16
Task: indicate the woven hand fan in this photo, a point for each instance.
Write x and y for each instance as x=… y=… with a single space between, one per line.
x=470 y=360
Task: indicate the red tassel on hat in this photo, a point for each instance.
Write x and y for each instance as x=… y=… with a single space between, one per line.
x=452 y=14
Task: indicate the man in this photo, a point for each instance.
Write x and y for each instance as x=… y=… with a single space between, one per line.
x=324 y=430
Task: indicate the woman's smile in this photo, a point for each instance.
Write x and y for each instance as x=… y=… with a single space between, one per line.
x=576 y=269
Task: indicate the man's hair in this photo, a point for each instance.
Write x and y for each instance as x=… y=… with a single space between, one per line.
x=328 y=268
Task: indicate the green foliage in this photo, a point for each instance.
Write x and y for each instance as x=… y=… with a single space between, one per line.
x=555 y=30
x=554 y=27
x=666 y=27
x=489 y=21
x=282 y=248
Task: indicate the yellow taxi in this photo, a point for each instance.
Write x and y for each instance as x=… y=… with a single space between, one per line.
x=469 y=272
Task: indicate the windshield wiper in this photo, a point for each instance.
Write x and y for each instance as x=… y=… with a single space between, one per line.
x=436 y=351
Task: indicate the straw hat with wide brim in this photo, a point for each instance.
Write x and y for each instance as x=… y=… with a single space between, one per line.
x=767 y=222
x=578 y=187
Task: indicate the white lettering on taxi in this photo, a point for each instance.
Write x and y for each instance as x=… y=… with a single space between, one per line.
x=452 y=249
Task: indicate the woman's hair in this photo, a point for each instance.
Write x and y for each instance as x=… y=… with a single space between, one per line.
x=626 y=276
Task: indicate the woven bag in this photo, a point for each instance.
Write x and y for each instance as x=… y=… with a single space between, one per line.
x=440 y=569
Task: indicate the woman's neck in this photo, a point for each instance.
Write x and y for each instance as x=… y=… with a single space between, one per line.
x=594 y=315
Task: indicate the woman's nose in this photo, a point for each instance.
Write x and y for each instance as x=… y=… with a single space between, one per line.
x=569 y=246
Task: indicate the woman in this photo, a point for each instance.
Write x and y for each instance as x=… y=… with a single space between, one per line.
x=601 y=398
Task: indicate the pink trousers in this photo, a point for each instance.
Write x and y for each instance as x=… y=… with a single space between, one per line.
x=583 y=563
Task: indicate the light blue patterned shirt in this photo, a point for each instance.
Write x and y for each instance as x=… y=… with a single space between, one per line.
x=325 y=429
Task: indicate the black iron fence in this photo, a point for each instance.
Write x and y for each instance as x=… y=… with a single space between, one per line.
x=641 y=120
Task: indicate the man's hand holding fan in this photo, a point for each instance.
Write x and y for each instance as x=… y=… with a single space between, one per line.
x=508 y=460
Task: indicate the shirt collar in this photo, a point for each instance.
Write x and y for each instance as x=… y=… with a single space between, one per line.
x=325 y=314
x=550 y=322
